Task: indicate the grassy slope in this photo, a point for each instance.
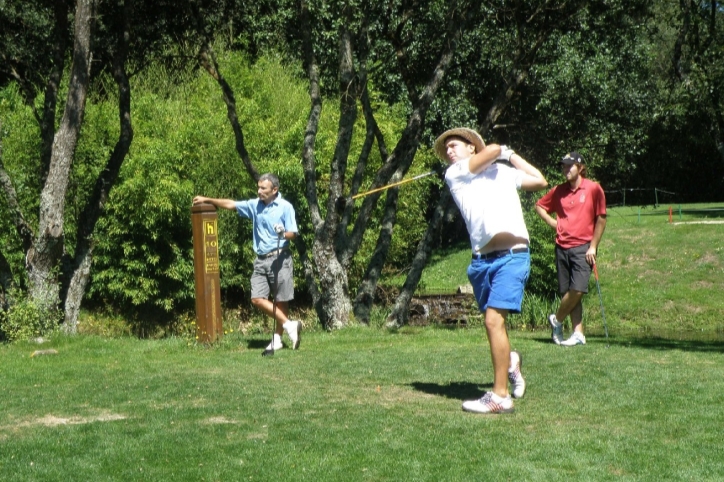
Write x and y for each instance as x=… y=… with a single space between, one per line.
x=663 y=276
x=654 y=275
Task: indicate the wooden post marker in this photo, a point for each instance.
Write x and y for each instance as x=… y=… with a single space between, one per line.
x=206 y=271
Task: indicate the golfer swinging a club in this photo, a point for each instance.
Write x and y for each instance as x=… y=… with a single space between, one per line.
x=274 y=225
x=486 y=194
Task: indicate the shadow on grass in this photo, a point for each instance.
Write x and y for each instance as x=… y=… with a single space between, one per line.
x=658 y=343
x=260 y=344
x=456 y=390
x=652 y=342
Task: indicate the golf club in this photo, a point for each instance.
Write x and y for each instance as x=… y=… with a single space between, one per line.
x=603 y=314
x=270 y=351
x=394 y=184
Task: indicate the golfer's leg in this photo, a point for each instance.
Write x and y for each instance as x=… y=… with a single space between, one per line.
x=570 y=300
x=577 y=317
x=499 y=348
x=267 y=307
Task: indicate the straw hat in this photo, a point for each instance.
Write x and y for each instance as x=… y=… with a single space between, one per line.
x=469 y=135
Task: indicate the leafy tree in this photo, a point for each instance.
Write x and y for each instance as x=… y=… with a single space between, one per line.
x=58 y=244
x=44 y=247
x=513 y=52
x=341 y=42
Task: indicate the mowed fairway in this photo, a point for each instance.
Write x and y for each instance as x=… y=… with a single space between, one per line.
x=359 y=404
x=367 y=404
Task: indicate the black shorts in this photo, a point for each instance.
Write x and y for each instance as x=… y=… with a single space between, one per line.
x=573 y=269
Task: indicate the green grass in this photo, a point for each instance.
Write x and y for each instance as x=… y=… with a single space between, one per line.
x=655 y=276
x=370 y=404
x=359 y=404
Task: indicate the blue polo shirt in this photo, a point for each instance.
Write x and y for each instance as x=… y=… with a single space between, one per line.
x=264 y=217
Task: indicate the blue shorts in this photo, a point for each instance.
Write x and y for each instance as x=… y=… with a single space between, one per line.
x=499 y=283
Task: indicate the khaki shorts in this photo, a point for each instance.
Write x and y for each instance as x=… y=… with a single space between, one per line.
x=263 y=278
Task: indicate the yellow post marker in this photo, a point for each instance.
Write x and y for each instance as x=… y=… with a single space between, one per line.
x=206 y=272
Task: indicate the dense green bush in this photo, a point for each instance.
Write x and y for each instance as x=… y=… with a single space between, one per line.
x=543 y=280
x=24 y=320
x=184 y=146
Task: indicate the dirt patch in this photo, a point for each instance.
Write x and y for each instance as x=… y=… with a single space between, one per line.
x=54 y=421
x=709 y=258
x=219 y=420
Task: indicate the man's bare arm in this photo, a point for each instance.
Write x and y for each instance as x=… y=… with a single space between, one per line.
x=219 y=203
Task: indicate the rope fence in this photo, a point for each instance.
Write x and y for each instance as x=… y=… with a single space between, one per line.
x=611 y=195
x=664 y=203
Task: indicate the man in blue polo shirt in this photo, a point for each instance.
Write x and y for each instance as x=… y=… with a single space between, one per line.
x=274 y=227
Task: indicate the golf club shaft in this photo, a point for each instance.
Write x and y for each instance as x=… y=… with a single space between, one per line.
x=394 y=184
x=598 y=286
x=276 y=292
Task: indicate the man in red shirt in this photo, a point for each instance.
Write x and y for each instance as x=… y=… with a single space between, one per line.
x=580 y=208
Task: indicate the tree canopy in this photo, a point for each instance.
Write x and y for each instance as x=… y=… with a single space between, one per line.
x=363 y=89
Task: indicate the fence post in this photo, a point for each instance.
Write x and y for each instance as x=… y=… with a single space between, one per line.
x=206 y=272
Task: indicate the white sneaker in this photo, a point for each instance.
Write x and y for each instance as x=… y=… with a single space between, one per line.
x=575 y=339
x=557 y=329
x=489 y=403
x=276 y=346
x=517 y=382
x=294 y=330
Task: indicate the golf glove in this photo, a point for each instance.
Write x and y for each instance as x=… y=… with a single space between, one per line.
x=505 y=153
x=279 y=229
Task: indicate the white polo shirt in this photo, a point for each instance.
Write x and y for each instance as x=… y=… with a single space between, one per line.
x=488 y=201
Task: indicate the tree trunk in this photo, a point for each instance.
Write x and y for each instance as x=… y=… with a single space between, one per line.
x=43 y=259
x=77 y=273
x=207 y=58
x=403 y=153
x=333 y=287
x=717 y=123
x=401 y=311
x=50 y=101
x=366 y=291
x=6 y=281
x=75 y=292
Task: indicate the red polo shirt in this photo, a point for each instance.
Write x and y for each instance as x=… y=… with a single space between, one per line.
x=576 y=211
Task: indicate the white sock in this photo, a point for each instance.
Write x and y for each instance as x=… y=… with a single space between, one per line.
x=277 y=339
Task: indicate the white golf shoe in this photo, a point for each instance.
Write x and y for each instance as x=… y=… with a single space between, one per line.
x=575 y=339
x=294 y=330
x=275 y=345
x=517 y=383
x=556 y=329
x=489 y=403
